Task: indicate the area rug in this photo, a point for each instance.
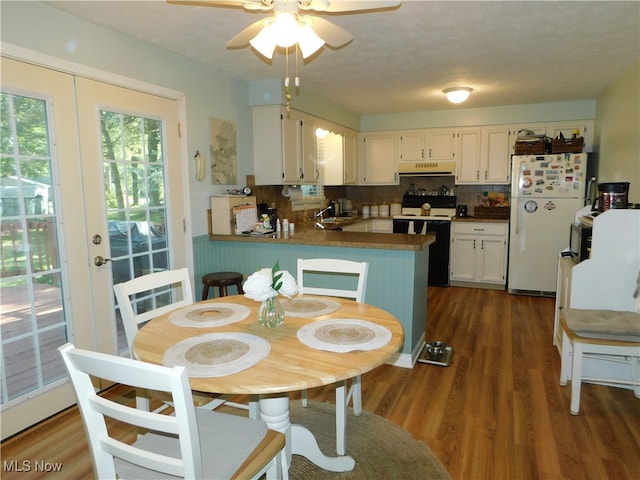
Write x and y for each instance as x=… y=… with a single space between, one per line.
x=382 y=450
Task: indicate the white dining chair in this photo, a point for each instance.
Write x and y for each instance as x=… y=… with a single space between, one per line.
x=600 y=332
x=328 y=268
x=189 y=443
x=146 y=297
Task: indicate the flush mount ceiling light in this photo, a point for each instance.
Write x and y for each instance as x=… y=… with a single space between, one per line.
x=292 y=26
x=457 y=94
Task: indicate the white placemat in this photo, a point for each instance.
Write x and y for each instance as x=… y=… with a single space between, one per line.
x=309 y=307
x=217 y=354
x=209 y=315
x=344 y=335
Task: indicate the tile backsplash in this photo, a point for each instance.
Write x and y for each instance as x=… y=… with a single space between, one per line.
x=373 y=194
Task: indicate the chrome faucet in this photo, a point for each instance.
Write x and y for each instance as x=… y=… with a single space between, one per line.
x=319 y=216
x=320 y=213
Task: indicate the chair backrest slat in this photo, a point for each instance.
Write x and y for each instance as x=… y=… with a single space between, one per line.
x=333 y=266
x=171 y=281
x=83 y=364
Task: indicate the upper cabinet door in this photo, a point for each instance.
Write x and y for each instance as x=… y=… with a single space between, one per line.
x=308 y=151
x=468 y=168
x=412 y=146
x=291 y=147
x=380 y=156
x=350 y=161
x=440 y=144
x=495 y=156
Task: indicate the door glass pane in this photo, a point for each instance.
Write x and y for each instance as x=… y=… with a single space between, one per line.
x=33 y=323
x=135 y=187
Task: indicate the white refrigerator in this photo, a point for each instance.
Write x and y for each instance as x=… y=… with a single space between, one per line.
x=546 y=193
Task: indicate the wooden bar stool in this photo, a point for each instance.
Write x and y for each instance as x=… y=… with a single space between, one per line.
x=221 y=280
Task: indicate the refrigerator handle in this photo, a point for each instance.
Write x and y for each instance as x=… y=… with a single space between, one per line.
x=517 y=207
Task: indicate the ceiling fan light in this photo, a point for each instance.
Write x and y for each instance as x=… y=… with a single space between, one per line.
x=285 y=30
x=309 y=41
x=265 y=41
x=457 y=94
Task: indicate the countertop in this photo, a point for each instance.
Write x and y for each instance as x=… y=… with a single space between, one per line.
x=480 y=220
x=334 y=238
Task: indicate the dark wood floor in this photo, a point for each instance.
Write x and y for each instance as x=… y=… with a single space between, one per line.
x=497 y=412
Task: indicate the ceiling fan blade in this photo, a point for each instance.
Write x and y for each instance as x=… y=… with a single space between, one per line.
x=246 y=4
x=343 y=6
x=242 y=39
x=334 y=35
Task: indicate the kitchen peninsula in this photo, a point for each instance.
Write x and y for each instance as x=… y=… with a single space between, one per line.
x=398 y=268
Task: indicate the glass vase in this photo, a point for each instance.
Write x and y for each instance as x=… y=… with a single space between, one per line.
x=271 y=313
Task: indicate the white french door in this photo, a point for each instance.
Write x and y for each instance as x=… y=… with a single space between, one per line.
x=132 y=180
x=108 y=159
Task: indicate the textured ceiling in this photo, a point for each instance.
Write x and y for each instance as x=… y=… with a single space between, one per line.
x=400 y=60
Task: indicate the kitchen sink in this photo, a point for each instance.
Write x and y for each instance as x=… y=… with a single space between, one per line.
x=337 y=219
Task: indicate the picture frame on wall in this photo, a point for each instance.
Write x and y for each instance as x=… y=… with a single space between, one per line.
x=224 y=152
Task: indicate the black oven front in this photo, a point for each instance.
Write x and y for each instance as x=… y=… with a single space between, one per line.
x=438 y=251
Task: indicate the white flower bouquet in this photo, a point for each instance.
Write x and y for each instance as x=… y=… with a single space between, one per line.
x=270 y=282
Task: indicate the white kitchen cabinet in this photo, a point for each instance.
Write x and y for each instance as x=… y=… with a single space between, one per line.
x=350 y=159
x=364 y=226
x=468 y=164
x=381 y=225
x=440 y=144
x=483 y=156
x=291 y=148
x=381 y=158
x=536 y=128
x=308 y=168
x=553 y=129
x=283 y=145
x=373 y=225
x=495 y=157
x=479 y=253
x=329 y=155
x=429 y=144
x=413 y=145
x=585 y=128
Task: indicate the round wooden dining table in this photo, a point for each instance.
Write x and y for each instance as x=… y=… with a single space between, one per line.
x=289 y=366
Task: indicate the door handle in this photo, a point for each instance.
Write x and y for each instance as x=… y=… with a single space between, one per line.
x=100 y=260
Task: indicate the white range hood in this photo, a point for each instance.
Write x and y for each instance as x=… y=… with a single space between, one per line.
x=427 y=169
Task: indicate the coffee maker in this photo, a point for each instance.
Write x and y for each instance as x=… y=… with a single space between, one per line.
x=265 y=209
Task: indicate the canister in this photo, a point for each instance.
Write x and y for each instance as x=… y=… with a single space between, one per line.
x=375 y=210
x=383 y=210
x=366 y=211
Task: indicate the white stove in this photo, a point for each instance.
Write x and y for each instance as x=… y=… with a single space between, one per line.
x=438 y=223
x=412 y=213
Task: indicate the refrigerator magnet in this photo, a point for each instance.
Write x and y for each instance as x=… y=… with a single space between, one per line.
x=530 y=206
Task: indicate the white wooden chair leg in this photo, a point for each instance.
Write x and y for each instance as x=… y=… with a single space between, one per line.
x=565 y=360
x=635 y=375
x=341 y=418
x=305 y=398
x=576 y=378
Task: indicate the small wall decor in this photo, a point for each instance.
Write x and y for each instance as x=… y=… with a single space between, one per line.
x=201 y=165
x=224 y=152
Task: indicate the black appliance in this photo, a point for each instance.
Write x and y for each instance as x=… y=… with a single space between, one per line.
x=580 y=241
x=438 y=222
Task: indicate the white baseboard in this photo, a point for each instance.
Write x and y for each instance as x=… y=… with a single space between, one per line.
x=406 y=360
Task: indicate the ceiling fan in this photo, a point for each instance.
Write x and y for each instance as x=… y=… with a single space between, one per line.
x=293 y=22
